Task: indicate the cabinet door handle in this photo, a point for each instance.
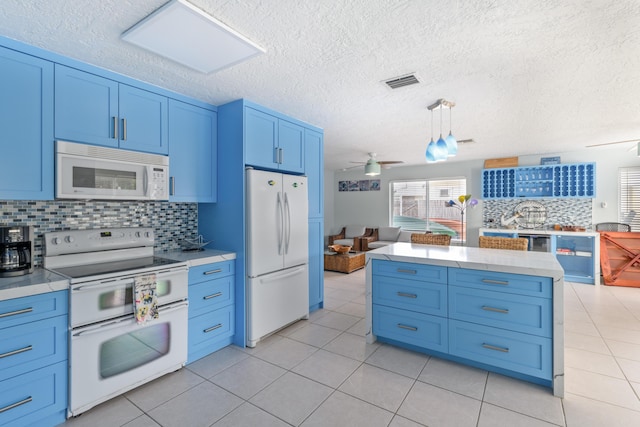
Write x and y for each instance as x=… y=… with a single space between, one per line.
x=497 y=310
x=217 y=270
x=281 y=155
x=402 y=270
x=15 y=313
x=407 y=295
x=115 y=127
x=216 y=295
x=172 y=185
x=14 y=352
x=213 y=328
x=496 y=282
x=124 y=129
x=407 y=327
x=15 y=405
x=276 y=155
x=493 y=347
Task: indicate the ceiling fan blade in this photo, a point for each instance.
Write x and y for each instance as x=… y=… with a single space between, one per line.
x=612 y=143
x=390 y=162
x=352 y=167
x=360 y=163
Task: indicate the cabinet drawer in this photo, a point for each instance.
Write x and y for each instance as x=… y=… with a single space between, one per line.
x=514 y=351
x=210 y=327
x=28 y=309
x=27 y=399
x=423 y=297
x=211 y=271
x=32 y=345
x=508 y=311
x=210 y=295
x=504 y=282
x=417 y=329
x=408 y=270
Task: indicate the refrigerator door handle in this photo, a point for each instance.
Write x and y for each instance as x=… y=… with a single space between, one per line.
x=281 y=225
x=287 y=223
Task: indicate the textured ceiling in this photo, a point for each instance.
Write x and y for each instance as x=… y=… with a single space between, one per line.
x=528 y=76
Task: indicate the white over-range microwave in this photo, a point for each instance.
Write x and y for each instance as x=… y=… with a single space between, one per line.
x=99 y=173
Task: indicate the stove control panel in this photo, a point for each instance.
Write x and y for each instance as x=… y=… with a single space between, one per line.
x=80 y=241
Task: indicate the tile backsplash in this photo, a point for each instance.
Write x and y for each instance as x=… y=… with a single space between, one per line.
x=559 y=211
x=170 y=221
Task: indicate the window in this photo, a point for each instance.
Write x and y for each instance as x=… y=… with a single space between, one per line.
x=629 y=197
x=419 y=205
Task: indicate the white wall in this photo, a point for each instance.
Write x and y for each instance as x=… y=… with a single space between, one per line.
x=371 y=208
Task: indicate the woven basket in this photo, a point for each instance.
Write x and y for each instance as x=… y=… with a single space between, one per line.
x=431 y=239
x=515 y=244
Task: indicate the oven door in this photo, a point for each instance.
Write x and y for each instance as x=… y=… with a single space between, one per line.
x=113 y=357
x=95 y=301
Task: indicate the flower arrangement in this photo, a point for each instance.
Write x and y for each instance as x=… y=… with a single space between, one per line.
x=463 y=202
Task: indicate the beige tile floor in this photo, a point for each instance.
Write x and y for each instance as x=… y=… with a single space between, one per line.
x=321 y=372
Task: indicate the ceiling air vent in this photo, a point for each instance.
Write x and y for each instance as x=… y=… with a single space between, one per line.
x=402 y=81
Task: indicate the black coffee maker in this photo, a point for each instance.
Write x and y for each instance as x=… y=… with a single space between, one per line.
x=16 y=250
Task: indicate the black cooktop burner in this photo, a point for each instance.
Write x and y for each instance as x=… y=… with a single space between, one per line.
x=81 y=271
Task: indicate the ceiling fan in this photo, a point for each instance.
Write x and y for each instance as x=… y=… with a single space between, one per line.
x=373 y=165
x=633 y=147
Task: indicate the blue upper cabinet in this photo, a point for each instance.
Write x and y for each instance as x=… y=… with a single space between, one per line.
x=96 y=110
x=273 y=143
x=291 y=146
x=192 y=153
x=26 y=120
x=560 y=181
x=314 y=168
x=261 y=139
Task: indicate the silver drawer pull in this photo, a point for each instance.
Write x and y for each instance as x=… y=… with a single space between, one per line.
x=409 y=328
x=15 y=405
x=213 y=328
x=14 y=352
x=495 y=282
x=206 y=273
x=406 y=295
x=493 y=347
x=15 y=313
x=216 y=295
x=497 y=310
x=402 y=270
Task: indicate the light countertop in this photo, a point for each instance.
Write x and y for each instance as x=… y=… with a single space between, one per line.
x=519 y=262
x=38 y=282
x=194 y=258
x=540 y=232
x=42 y=281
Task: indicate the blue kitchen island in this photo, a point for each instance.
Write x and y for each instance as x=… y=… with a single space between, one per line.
x=493 y=309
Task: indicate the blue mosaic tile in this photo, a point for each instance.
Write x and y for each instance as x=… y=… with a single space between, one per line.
x=559 y=211
x=170 y=221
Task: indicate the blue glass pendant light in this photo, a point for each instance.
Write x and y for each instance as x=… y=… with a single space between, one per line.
x=452 y=143
x=444 y=147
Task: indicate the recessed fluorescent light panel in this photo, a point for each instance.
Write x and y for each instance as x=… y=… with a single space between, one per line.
x=187 y=35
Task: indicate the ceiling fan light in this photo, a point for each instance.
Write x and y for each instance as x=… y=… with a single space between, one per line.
x=372 y=168
x=452 y=145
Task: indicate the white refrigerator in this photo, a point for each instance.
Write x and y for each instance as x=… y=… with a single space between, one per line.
x=277 y=252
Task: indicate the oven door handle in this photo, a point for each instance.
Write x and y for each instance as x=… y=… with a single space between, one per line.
x=116 y=323
x=102 y=283
x=102 y=327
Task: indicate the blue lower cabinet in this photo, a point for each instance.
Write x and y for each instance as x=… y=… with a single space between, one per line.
x=37 y=398
x=412 y=328
x=211 y=308
x=210 y=332
x=508 y=311
x=514 y=351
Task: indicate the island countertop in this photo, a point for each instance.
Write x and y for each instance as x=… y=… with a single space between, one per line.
x=506 y=261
